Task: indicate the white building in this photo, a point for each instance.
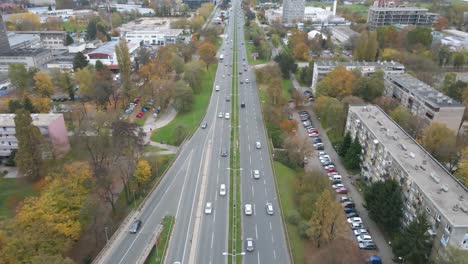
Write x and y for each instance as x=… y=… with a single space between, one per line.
x=130 y=8
x=293 y=11
x=455 y=39
x=106 y=53
x=150 y=31
x=388 y=152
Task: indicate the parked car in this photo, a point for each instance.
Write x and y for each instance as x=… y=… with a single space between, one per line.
x=331 y=170
x=355 y=226
x=140 y=115
x=356 y=220
x=351 y=214
x=337 y=186
x=367 y=245
x=344 y=199
x=349 y=210
x=364 y=238
x=361 y=231
x=342 y=191
x=349 y=205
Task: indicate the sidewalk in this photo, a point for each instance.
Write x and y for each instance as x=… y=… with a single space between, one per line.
x=152 y=123
x=384 y=250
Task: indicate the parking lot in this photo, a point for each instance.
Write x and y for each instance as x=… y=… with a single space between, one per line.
x=317 y=161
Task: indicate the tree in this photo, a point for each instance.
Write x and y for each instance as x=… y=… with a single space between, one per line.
x=325 y=221
x=193 y=75
x=296 y=149
x=275 y=40
x=66 y=84
x=366 y=46
x=14 y=105
x=458 y=60
x=207 y=52
x=412 y=124
x=43 y=84
x=454 y=88
x=79 y=61
x=286 y=63
x=441 y=23
x=264 y=50
x=352 y=158
x=28 y=105
x=25 y=21
x=345 y=145
x=451 y=255
x=301 y=52
x=384 y=203
x=414 y=243
x=69 y=40
x=142 y=57
x=143 y=172
x=462 y=173
x=439 y=141
x=91 y=29
x=18 y=76
x=124 y=61
x=419 y=35
x=84 y=78
x=369 y=88
x=183 y=97
x=338 y=83
x=29 y=155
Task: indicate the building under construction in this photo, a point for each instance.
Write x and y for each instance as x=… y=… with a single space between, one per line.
x=384 y=13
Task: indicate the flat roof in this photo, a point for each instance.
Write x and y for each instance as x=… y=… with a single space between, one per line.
x=23 y=52
x=398 y=8
x=16 y=39
x=109 y=47
x=423 y=91
x=345 y=30
x=8 y=120
x=457 y=33
x=359 y=63
x=431 y=177
x=148 y=22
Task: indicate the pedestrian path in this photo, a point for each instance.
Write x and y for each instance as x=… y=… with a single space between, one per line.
x=151 y=124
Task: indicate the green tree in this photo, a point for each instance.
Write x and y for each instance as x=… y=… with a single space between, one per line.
x=30 y=140
x=69 y=40
x=14 y=105
x=451 y=255
x=92 y=29
x=439 y=141
x=384 y=203
x=286 y=63
x=419 y=35
x=275 y=40
x=66 y=84
x=345 y=145
x=352 y=158
x=414 y=242
x=454 y=88
x=18 y=76
x=193 y=75
x=79 y=61
x=366 y=46
x=183 y=97
x=123 y=59
x=28 y=105
x=369 y=88
x=458 y=60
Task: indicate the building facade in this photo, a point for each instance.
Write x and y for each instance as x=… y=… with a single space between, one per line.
x=322 y=68
x=4 y=43
x=424 y=101
x=150 y=31
x=23 y=41
x=106 y=53
x=293 y=11
x=36 y=58
x=399 y=15
x=51 y=126
x=388 y=152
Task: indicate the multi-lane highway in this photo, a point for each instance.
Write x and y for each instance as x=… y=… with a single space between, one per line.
x=196 y=175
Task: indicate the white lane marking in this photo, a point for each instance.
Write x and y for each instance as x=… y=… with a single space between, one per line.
x=264 y=181
x=272 y=238
x=154 y=210
x=258 y=257
x=256 y=232
x=253 y=192
x=254 y=210
x=270 y=226
x=212 y=239
x=274 y=253
x=250 y=159
x=266 y=191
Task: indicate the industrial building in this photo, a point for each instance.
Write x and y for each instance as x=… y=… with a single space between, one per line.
x=343 y=35
x=150 y=31
x=424 y=100
x=388 y=152
x=49 y=39
x=293 y=11
x=106 y=54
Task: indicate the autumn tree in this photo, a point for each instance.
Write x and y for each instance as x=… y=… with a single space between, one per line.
x=123 y=59
x=451 y=255
x=369 y=88
x=326 y=218
x=296 y=149
x=332 y=115
x=193 y=71
x=25 y=21
x=18 y=76
x=419 y=36
x=79 y=61
x=275 y=40
x=439 y=141
x=366 y=46
x=462 y=172
x=183 y=97
x=43 y=84
x=338 y=83
x=143 y=172
x=412 y=124
x=30 y=147
x=207 y=52
x=440 y=23
x=84 y=78
x=413 y=244
x=66 y=84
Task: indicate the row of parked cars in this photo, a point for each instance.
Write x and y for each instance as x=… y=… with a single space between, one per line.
x=311 y=130
x=359 y=231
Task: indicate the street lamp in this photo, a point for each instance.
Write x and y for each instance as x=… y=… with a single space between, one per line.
x=107 y=237
x=233 y=255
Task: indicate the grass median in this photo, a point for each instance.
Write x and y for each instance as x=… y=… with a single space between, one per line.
x=192 y=119
x=159 y=250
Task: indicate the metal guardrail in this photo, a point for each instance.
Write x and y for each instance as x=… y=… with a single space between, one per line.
x=150 y=245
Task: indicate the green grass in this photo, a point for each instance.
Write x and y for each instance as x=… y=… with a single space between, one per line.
x=68 y=26
x=150 y=148
x=12 y=191
x=250 y=50
x=159 y=251
x=141 y=121
x=286 y=180
x=287 y=86
x=191 y=119
x=355 y=8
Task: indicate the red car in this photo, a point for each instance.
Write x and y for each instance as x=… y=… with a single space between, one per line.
x=140 y=115
x=136 y=100
x=342 y=190
x=331 y=170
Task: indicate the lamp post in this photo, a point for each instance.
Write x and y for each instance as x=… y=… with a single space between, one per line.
x=107 y=236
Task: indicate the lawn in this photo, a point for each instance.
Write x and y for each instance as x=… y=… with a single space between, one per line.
x=150 y=148
x=12 y=191
x=356 y=8
x=158 y=252
x=191 y=119
x=250 y=50
x=287 y=86
x=141 y=121
x=285 y=178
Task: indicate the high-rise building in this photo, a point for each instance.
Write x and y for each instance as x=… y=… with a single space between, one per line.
x=388 y=14
x=4 y=44
x=293 y=11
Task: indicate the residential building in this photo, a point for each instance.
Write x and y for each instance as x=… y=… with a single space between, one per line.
x=391 y=14
x=293 y=11
x=51 y=126
x=388 y=152
x=322 y=68
x=424 y=101
x=106 y=54
x=150 y=31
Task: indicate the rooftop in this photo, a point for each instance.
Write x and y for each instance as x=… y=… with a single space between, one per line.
x=345 y=30
x=398 y=8
x=147 y=23
x=22 y=52
x=8 y=120
x=109 y=47
x=457 y=33
x=423 y=91
x=16 y=39
x=439 y=186
x=359 y=63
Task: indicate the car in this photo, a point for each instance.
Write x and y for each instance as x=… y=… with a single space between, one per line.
x=349 y=205
x=269 y=208
x=128 y=111
x=367 y=245
x=227 y=115
x=208 y=208
x=140 y=115
x=342 y=191
x=256 y=174
x=245 y=69
x=249 y=244
x=144 y=109
x=135 y=226
x=217 y=88
x=317 y=140
x=314 y=134
x=364 y=238
x=241 y=81
x=204 y=125
x=248 y=209
x=321 y=153
x=320 y=147
x=258 y=145
x=242 y=105
x=356 y=220
x=361 y=231
x=240 y=73
x=344 y=199
x=136 y=100
x=246 y=80
x=220 y=115
x=224 y=153
x=351 y=214
x=224 y=76
x=337 y=186
x=222 y=189
x=349 y=210
x=329 y=167
x=307 y=123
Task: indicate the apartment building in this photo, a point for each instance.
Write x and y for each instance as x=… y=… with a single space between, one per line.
x=399 y=15
x=424 y=101
x=293 y=11
x=388 y=152
x=52 y=127
x=322 y=68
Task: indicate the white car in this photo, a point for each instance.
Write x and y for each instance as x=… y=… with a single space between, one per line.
x=227 y=115
x=364 y=238
x=224 y=76
x=258 y=145
x=329 y=167
x=337 y=186
x=222 y=189
x=321 y=153
x=220 y=115
x=208 y=208
x=269 y=209
x=256 y=174
x=217 y=88
x=355 y=220
x=246 y=80
x=248 y=209
x=359 y=232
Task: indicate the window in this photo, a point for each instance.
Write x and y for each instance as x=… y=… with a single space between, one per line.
x=438 y=218
x=430 y=115
x=448 y=228
x=428 y=210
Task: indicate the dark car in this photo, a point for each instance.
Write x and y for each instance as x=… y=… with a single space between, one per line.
x=224 y=153
x=351 y=214
x=144 y=109
x=320 y=147
x=135 y=226
x=349 y=205
x=242 y=105
x=317 y=140
x=349 y=210
x=204 y=125
x=241 y=82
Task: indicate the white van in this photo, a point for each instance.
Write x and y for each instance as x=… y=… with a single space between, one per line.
x=337 y=177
